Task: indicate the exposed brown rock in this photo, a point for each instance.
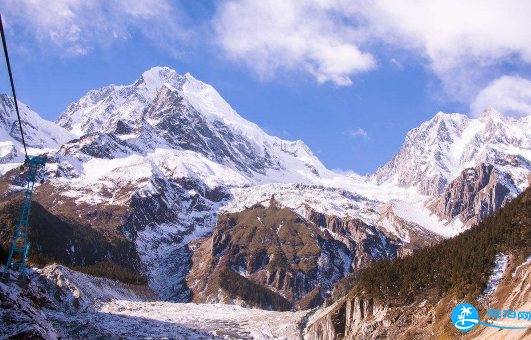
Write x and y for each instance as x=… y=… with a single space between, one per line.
x=475 y=194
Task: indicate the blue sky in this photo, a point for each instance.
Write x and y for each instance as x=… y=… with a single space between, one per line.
x=349 y=78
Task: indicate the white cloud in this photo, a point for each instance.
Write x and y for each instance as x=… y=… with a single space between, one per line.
x=77 y=27
x=466 y=44
x=279 y=35
x=357 y=132
x=463 y=43
x=508 y=95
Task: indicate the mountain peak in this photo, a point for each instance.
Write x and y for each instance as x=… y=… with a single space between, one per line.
x=189 y=76
x=490 y=112
x=158 y=72
x=449 y=143
x=157 y=76
x=171 y=103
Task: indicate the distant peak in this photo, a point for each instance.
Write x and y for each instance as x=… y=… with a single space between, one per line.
x=158 y=69
x=158 y=74
x=491 y=112
x=191 y=78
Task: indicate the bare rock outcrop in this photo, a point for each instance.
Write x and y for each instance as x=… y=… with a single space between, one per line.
x=476 y=193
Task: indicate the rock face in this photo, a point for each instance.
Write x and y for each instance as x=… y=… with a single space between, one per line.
x=350 y=318
x=184 y=127
x=21 y=316
x=299 y=258
x=475 y=194
x=365 y=243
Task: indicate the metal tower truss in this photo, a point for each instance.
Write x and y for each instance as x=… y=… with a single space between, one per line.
x=20 y=247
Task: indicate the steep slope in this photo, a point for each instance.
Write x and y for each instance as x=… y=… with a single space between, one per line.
x=64 y=240
x=100 y=110
x=436 y=152
x=300 y=259
x=487 y=266
x=474 y=194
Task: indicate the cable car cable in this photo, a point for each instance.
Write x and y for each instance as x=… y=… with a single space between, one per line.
x=12 y=84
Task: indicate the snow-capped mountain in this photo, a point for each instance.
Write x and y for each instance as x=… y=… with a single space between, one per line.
x=157 y=159
x=102 y=109
x=160 y=159
x=437 y=151
x=39 y=133
x=185 y=113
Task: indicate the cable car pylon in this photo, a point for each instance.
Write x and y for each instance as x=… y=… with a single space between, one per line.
x=20 y=244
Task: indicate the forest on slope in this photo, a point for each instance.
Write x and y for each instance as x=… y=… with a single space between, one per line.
x=459 y=265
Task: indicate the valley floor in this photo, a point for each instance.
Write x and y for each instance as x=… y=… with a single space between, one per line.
x=120 y=319
x=64 y=304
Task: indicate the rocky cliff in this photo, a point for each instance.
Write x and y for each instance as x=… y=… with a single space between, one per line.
x=476 y=193
x=357 y=317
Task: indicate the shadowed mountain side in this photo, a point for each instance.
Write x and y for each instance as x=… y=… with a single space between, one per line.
x=64 y=240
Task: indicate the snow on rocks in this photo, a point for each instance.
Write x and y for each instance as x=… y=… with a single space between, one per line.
x=21 y=314
x=77 y=291
x=323 y=199
x=113 y=310
x=526 y=262
x=500 y=265
x=420 y=216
